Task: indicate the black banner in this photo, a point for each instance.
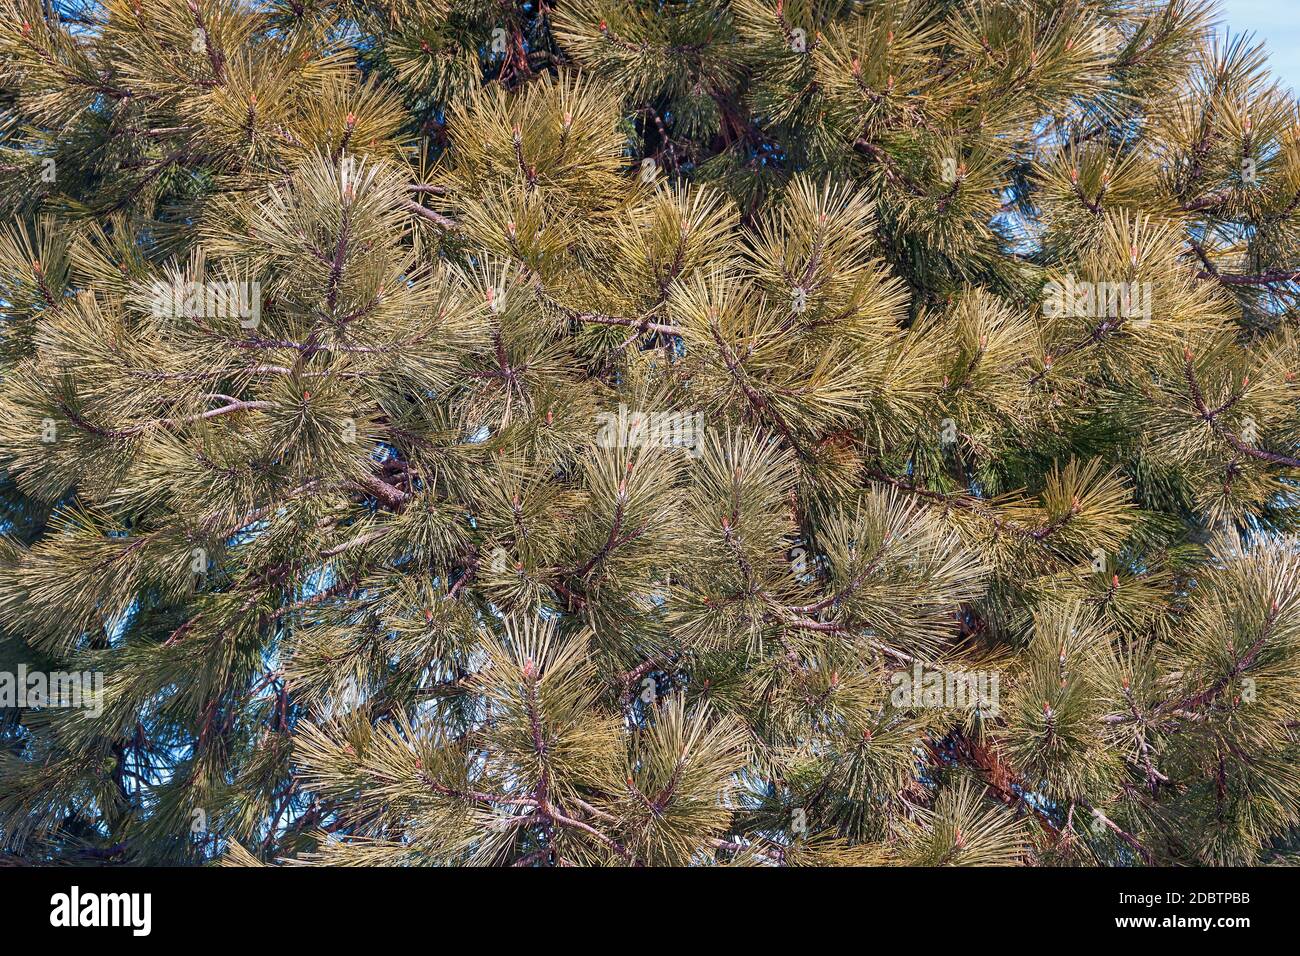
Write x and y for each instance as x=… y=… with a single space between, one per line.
x=936 y=907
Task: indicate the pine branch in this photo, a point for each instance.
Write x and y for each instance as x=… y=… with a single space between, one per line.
x=1211 y=417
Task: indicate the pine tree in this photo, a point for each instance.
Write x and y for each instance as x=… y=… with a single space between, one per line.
x=615 y=432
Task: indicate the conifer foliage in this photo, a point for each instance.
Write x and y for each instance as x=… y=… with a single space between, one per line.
x=615 y=432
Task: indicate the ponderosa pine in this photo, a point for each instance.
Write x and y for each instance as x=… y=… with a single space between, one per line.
x=620 y=432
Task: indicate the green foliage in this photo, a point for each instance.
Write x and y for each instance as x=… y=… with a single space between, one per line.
x=514 y=434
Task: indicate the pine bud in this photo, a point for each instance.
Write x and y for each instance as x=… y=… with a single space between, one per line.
x=1187 y=353
x=529 y=669
x=1114 y=581
x=350 y=120
x=424 y=47
x=252 y=100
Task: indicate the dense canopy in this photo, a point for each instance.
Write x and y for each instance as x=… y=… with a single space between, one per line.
x=610 y=432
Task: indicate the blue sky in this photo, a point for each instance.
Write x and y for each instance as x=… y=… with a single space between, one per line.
x=1277 y=23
